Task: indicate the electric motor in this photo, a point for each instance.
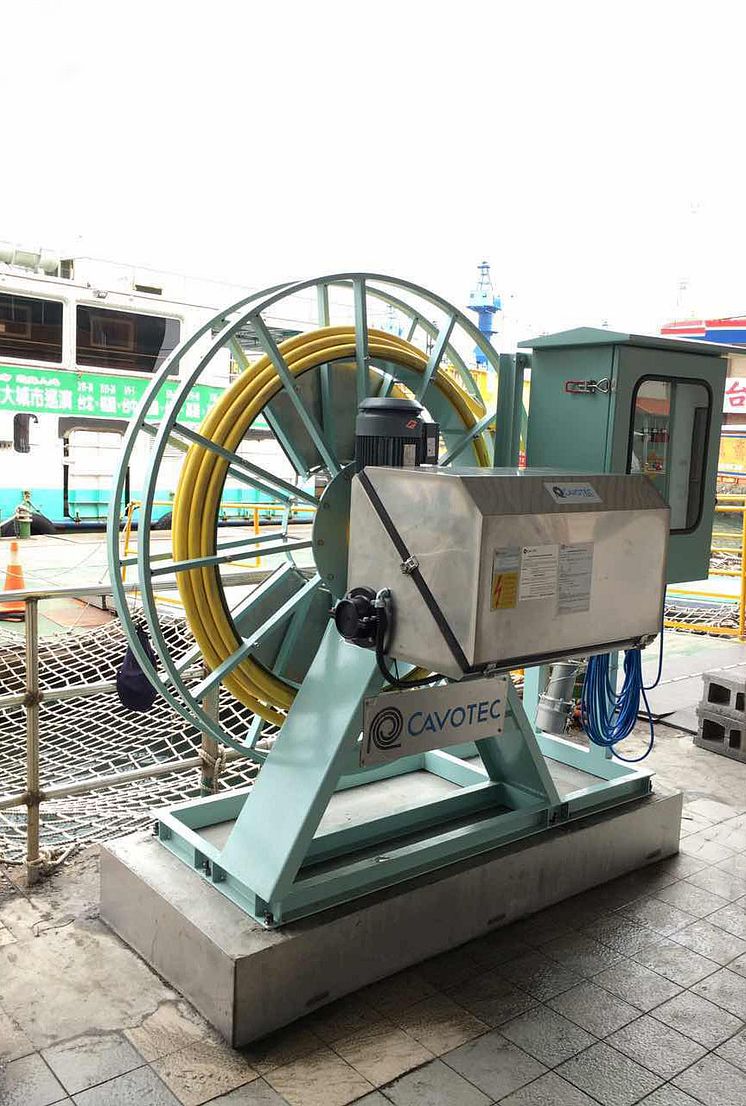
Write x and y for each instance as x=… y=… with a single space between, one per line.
x=395 y=433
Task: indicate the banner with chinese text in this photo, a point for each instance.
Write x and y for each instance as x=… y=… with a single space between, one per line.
x=101 y=395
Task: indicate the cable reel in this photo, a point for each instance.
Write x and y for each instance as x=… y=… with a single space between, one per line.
x=305 y=393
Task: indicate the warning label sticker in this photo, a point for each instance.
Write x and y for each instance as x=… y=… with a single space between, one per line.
x=506 y=569
x=538 y=572
x=575 y=577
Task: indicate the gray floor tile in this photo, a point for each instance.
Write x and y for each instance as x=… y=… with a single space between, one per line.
x=396 y=992
x=703 y=849
x=677 y=963
x=594 y=1009
x=734 y=1050
x=734 y=865
x=141 y=1086
x=719 y=882
x=711 y=941
x=375 y=1099
x=738 y=966
x=492 y=998
x=731 y=918
x=497 y=947
x=730 y=834
x=494 y=1065
x=85 y=1061
x=657 y=1047
x=260 y=1093
x=545 y=925
x=549 y=1090
x=726 y=989
x=697 y=1018
x=694 y=900
x=628 y=889
x=581 y=954
x=679 y=866
x=546 y=1035
x=669 y=1096
x=692 y=823
x=501 y=1008
x=541 y=977
x=637 y=985
x=610 y=1077
x=434 y=1085
x=621 y=934
x=13 y=1041
x=584 y=908
x=29 y=1082
x=659 y=915
x=713 y=810
x=653 y=878
x=449 y=969
x=714 y=1082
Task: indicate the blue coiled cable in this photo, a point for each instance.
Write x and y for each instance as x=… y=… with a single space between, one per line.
x=607 y=717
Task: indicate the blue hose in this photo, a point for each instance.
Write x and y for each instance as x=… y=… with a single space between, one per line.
x=609 y=718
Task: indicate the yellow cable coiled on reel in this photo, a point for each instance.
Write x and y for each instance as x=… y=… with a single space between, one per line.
x=200 y=488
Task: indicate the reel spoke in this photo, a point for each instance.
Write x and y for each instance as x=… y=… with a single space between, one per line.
x=466 y=439
x=247 y=546
x=436 y=356
x=361 y=338
x=270 y=347
x=248 y=645
x=262 y=479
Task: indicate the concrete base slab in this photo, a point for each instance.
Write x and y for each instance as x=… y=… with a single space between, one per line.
x=248 y=980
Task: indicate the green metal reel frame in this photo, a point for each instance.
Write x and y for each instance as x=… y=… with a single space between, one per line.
x=414 y=304
x=264 y=847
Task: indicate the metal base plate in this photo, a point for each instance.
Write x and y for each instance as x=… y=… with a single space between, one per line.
x=248 y=980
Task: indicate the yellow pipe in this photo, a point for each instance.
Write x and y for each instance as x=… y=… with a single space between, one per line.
x=203 y=475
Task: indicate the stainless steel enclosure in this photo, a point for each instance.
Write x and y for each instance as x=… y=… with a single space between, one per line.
x=523 y=564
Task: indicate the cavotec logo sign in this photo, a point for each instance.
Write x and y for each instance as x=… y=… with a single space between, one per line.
x=401 y=723
x=573 y=493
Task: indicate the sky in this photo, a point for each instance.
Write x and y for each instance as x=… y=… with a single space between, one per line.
x=591 y=152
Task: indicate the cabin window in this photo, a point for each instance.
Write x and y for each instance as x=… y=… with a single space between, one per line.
x=668 y=443
x=122 y=340
x=30 y=329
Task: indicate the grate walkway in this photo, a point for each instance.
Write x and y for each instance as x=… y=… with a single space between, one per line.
x=86 y=737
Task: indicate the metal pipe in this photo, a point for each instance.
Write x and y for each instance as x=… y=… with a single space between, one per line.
x=555 y=702
x=31 y=705
x=210 y=747
x=97 y=783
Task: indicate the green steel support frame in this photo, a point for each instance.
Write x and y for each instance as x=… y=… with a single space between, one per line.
x=269 y=847
x=276 y=863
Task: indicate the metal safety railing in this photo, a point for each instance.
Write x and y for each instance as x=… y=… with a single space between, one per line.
x=34 y=697
x=728 y=503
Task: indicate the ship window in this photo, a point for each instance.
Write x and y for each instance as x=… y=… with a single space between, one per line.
x=21 y=434
x=30 y=329
x=668 y=442
x=122 y=340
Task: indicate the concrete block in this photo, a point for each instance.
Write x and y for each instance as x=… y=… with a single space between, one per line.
x=723 y=692
x=248 y=981
x=723 y=732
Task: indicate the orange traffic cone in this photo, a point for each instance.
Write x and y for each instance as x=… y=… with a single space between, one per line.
x=13 y=582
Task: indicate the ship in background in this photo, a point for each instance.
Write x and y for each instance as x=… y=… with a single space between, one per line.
x=729 y=330
x=79 y=341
